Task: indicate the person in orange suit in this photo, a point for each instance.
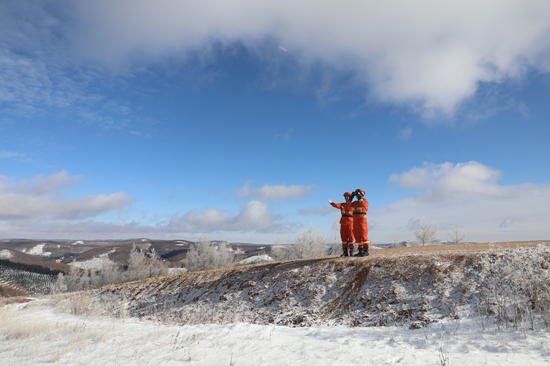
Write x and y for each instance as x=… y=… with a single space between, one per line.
x=360 y=228
x=346 y=225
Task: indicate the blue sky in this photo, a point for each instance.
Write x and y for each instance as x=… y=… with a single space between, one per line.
x=174 y=119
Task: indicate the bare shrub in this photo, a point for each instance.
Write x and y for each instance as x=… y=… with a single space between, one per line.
x=515 y=287
x=457 y=236
x=311 y=243
x=204 y=255
x=141 y=267
x=426 y=234
x=82 y=303
x=76 y=280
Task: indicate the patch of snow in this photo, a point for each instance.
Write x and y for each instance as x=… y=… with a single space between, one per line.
x=257 y=259
x=6 y=254
x=78 y=242
x=38 y=250
x=95 y=263
x=175 y=271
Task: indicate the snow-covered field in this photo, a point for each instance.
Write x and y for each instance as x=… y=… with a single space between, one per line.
x=6 y=254
x=425 y=309
x=37 y=333
x=38 y=250
x=95 y=263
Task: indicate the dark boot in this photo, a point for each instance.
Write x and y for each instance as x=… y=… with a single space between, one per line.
x=345 y=252
x=351 y=252
x=365 y=252
x=359 y=253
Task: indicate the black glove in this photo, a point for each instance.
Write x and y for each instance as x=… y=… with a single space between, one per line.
x=353 y=194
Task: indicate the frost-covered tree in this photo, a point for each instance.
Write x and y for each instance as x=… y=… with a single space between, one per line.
x=426 y=234
x=204 y=255
x=310 y=243
x=110 y=273
x=77 y=279
x=137 y=265
x=141 y=267
x=61 y=285
x=457 y=236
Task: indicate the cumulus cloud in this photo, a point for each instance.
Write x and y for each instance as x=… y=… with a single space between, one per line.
x=429 y=53
x=468 y=195
x=254 y=216
x=276 y=192
x=441 y=181
x=42 y=197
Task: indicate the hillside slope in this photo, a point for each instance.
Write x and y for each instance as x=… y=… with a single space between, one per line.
x=412 y=286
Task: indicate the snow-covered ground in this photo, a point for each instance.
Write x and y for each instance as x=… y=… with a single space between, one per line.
x=257 y=259
x=6 y=254
x=435 y=308
x=38 y=250
x=37 y=333
x=95 y=263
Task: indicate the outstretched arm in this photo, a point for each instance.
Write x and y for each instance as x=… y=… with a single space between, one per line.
x=337 y=205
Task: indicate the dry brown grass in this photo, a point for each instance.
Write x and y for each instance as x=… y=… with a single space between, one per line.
x=477 y=247
x=14 y=300
x=6 y=291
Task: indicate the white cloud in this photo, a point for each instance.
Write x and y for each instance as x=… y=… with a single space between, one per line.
x=433 y=54
x=468 y=195
x=254 y=216
x=442 y=181
x=42 y=197
x=279 y=192
x=38 y=208
x=429 y=54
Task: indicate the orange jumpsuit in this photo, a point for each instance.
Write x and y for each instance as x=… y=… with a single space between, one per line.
x=360 y=229
x=346 y=224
